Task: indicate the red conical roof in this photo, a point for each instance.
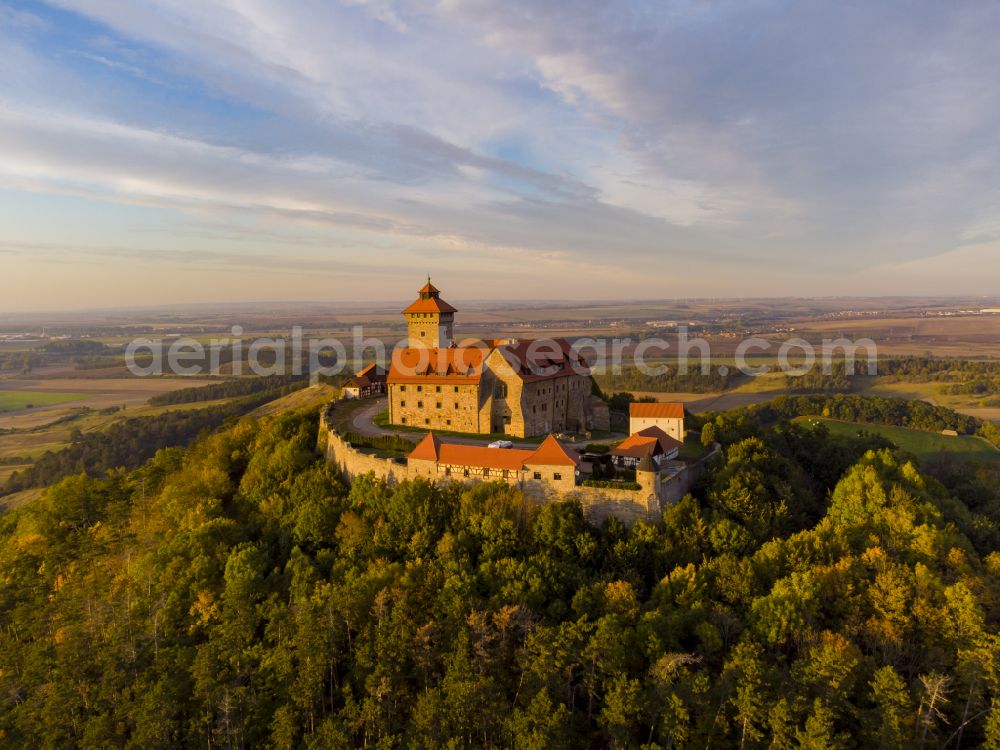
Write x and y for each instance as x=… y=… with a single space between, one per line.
x=428 y=288
x=428 y=449
x=552 y=453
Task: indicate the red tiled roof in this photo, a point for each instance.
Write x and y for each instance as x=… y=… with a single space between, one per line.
x=428 y=305
x=428 y=288
x=651 y=441
x=427 y=449
x=478 y=456
x=552 y=453
x=359 y=381
x=656 y=410
x=373 y=370
x=543 y=359
x=442 y=365
x=549 y=453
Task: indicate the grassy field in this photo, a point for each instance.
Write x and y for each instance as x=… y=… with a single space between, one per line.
x=15 y=400
x=382 y=419
x=919 y=443
x=307 y=398
x=18 y=499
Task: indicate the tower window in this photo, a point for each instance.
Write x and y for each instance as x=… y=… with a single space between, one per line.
x=557 y=476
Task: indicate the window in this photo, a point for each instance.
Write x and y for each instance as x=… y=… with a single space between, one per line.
x=465 y=472
x=420 y=388
x=557 y=476
x=447 y=471
x=500 y=391
x=437 y=405
x=486 y=472
x=538 y=475
x=402 y=403
x=427 y=421
x=506 y=473
x=402 y=388
x=402 y=420
x=420 y=404
x=437 y=388
x=447 y=422
x=423 y=333
x=456 y=389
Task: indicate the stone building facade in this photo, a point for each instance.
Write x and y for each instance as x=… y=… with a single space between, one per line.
x=510 y=387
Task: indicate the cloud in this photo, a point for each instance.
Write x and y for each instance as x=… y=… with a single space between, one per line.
x=716 y=139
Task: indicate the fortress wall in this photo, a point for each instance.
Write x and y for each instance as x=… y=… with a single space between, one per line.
x=628 y=506
x=352 y=462
x=678 y=485
x=598 y=503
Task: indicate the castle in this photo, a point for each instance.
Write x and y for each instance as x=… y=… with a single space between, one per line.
x=517 y=388
x=549 y=473
x=499 y=386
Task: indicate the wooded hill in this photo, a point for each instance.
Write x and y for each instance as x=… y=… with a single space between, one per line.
x=813 y=592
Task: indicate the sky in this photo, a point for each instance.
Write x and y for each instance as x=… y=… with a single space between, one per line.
x=172 y=151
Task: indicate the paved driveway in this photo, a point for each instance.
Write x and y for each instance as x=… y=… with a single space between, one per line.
x=363 y=422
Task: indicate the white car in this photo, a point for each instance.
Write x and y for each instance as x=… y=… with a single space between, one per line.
x=501 y=444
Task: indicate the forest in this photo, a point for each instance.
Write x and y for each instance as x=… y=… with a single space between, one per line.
x=671 y=380
x=812 y=592
x=815 y=380
x=945 y=369
x=228 y=388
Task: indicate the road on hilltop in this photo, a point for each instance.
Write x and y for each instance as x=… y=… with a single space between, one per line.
x=363 y=422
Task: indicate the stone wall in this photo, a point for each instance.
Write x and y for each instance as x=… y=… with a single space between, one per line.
x=353 y=462
x=445 y=406
x=557 y=405
x=430 y=329
x=676 y=486
x=598 y=503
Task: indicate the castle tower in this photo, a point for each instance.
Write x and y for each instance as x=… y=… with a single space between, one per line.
x=430 y=320
x=649 y=482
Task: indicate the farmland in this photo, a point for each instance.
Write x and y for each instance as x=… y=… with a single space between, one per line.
x=24 y=399
x=918 y=442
